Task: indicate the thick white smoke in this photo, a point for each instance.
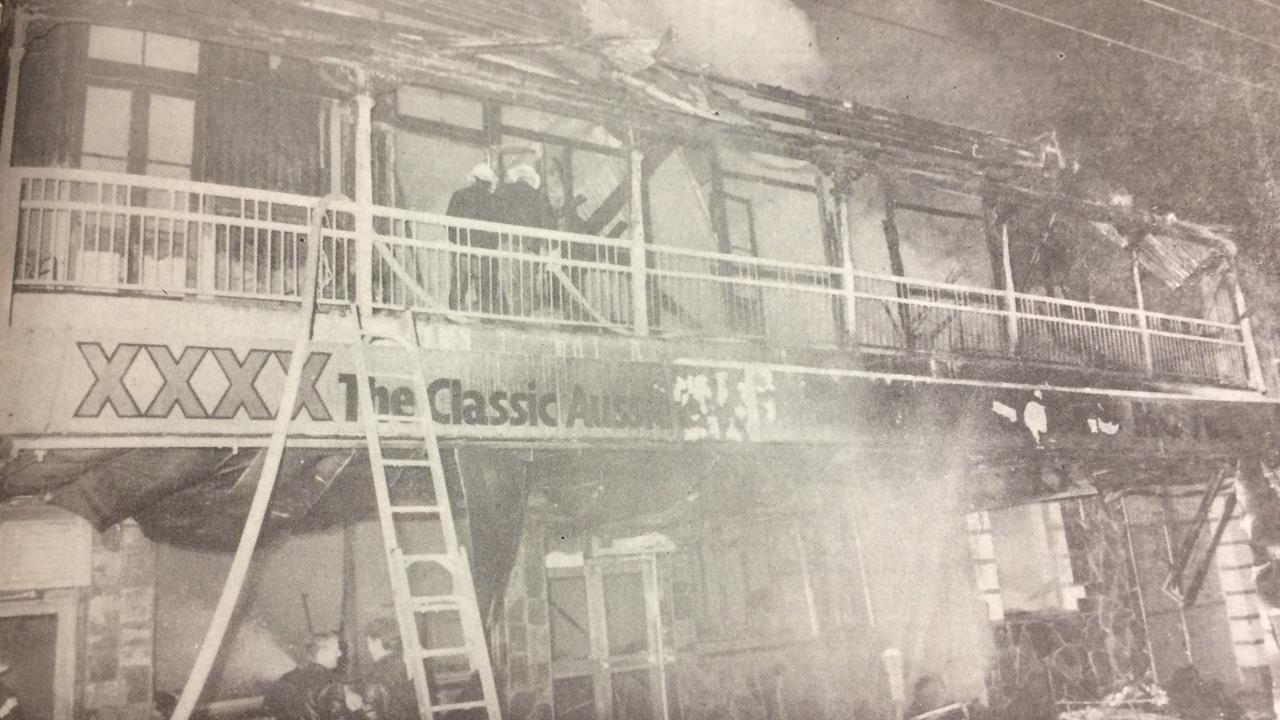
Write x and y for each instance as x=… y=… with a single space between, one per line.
x=768 y=41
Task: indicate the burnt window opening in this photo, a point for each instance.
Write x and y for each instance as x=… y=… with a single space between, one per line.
x=756 y=585
x=940 y=236
x=1027 y=559
x=605 y=627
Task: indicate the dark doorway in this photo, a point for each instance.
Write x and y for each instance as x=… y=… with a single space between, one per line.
x=30 y=641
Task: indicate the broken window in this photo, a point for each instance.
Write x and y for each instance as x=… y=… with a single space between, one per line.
x=604 y=629
x=940 y=236
x=584 y=169
x=441 y=107
x=1023 y=560
x=757 y=584
x=584 y=177
x=785 y=212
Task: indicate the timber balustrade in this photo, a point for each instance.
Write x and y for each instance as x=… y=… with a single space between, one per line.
x=80 y=230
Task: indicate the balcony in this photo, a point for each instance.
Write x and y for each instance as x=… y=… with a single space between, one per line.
x=91 y=232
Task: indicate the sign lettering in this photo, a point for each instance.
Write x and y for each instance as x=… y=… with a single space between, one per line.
x=108 y=380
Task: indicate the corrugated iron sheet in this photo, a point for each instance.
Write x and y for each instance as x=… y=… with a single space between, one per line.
x=1169 y=258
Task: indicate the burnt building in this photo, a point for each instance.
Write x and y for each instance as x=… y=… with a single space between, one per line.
x=774 y=387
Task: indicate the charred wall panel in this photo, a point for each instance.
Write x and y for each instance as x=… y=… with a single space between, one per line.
x=41 y=119
x=261 y=120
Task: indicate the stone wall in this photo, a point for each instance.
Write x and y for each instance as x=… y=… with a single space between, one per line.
x=118 y=622
x=1047 y=658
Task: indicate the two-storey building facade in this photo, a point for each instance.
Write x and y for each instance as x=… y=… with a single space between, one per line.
x=766 y=386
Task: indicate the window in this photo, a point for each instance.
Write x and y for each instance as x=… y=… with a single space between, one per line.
x=441 y=107
x=139 y=106
x=604 y=629
x=135 y=47
x=757 y=585
x=169 y=136
x=941 y=237
x=105 y=143
x=1023 y=560
x=772 y=209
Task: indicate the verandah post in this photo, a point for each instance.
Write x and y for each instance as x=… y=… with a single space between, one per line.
x=639 y=251
x=846 y=258
x=1010 y=292
x=1143 y=326
x=10 y=184
x=364 y=199
x=1253 y=365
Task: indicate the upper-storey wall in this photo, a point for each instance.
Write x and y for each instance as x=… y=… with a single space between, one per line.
x=148 y=103
x=126 y=100
x=143 y=102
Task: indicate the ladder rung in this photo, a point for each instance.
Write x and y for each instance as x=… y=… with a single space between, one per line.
x=436 y=603
x=410 y=462
x=423 y=509
x=428 y=653
x=468 y=705
x=444 y=558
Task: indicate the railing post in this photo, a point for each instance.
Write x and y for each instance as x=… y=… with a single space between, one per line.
x=639 y=251
x=1252 y=364
x=364 y=200
x=1143 y=328
x=1010 y=292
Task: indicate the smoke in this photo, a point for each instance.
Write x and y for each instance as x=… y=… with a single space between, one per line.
x=766 y=41
x=930 y=59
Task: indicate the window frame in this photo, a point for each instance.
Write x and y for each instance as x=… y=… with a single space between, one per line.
x=143 y=82
x=600 y=666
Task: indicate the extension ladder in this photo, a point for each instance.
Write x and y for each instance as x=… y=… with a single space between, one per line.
x=431 y=584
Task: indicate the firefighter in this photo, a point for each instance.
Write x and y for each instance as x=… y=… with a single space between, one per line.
x=522 y=202
x=314 y=690
x=476 y=201
x=388 y=693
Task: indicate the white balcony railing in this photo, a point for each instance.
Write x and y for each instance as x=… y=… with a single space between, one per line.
x=93 y=231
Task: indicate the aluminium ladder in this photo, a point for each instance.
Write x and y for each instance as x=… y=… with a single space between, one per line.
x=431 y=584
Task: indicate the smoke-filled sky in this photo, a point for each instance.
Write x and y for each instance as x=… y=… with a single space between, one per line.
x=1165 y=131
x=965 y=61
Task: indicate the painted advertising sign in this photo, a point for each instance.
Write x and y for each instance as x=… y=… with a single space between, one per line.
x=72 y=385
x=763 y=403
x=96 y=387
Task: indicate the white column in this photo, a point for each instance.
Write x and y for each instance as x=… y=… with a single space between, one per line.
x=9 y=183
x=842 y=191
x=1252 y=364
x=1147 y=356
x=1010 y=292
x=16 y=53
x=639 y=251
x=335 y=158
x=364 y=201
